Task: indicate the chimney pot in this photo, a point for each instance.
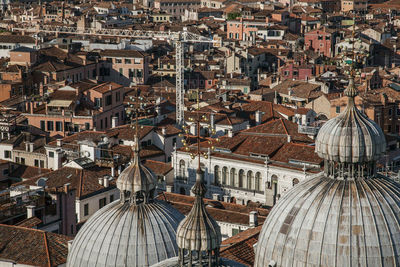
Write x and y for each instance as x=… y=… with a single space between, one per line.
x=30 y=211
x=253 y=219
x=106 y=182
x=169 y=188
x=215 y=196
x=67 y=187
x=101 y=181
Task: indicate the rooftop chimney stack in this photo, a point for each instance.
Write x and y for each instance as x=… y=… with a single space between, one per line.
x=106 y=182
x=59 y=142
x=169 y=188
x=30 y=211
x=253 y=219
x=258 y=116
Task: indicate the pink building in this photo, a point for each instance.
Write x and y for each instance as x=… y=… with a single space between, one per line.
x=322 y=41
x=244 y=29
x=297 y=72
x=81 y=106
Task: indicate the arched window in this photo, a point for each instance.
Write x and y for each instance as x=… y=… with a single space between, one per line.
x=182 y=169
x=250 y=178
x=224 y=175
x=232 y=177
x=258 y=181
x=295 y=181
x=241 y=177
x=217 y=175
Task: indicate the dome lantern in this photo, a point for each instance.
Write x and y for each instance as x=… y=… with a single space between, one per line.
x=351 y=143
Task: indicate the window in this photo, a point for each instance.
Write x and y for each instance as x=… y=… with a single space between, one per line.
x=36 y=163
x=17 y=160
x=390 y=112
x=128 y=61
x=58 y=126
x=97 y=102
x=43 y=125
x=105 y=122
x=137 y=60
x=94 y=73
x=121 y=72
x=22 y=160
x=86 y=210
x=337 y=109
x=51 y=154
x=87 y=126
x=118 y=60
x=41 y=163
x=108 y=100
x=50 y=126
x=320 y=37
x=102 y=202
x=111 y=198
x=117 y=96
x=7 y=154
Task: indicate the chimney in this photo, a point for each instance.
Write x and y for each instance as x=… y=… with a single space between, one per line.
x=230 y=133
x=164 y=131
x=101 y=181
x=248 y=126
x=258 y=116
x=30 y=211
x=106 y=182
x=215 y=197
x=289 y=138
x=226 y=198
x=253 y=219
x=67 y=187
x=169 y=188
x=114 y=122
x=59 y=142
x=113 y=171
x=212 y=120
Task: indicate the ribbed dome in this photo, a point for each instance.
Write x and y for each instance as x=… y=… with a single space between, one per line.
x=350 y=137
x=136 y=230
x=198 y=231
x=136 y=177
x=331 y=222
x=124 y=234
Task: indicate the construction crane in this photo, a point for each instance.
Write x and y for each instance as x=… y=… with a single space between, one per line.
x=179 y=38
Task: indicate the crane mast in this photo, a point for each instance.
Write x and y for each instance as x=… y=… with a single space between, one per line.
x=179 y=38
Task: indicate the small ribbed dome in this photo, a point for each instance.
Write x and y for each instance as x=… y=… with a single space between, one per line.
x=136 y=177
x=351 y=137
x=136 y=230
x=198 y=231
x=123 y=234
x=331 y=222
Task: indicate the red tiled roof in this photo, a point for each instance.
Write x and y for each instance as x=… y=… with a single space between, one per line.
x=240 y=247
x=84 y=181
x=32 y=247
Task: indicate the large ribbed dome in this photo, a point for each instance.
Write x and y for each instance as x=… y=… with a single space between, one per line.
x=135 y=230
x=346 y=216
x=122 y=234
x=351 y=137
x=331 y=222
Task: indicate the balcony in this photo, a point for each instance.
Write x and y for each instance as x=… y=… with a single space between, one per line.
x=309 y=130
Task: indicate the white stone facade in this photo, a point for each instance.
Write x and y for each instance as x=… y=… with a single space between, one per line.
x=239 y=180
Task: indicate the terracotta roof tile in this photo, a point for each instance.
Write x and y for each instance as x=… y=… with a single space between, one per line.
x=32 y=247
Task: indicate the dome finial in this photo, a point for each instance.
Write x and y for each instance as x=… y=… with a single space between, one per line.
x=198 y=234
x=136 y=183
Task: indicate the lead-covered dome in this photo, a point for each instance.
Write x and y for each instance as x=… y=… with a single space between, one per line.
x=332 y=222
x=351 y=137
x=135 y=230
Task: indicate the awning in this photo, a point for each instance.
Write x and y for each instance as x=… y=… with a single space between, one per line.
x=59 y=103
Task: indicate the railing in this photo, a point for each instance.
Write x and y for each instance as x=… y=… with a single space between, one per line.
x=309 y=130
